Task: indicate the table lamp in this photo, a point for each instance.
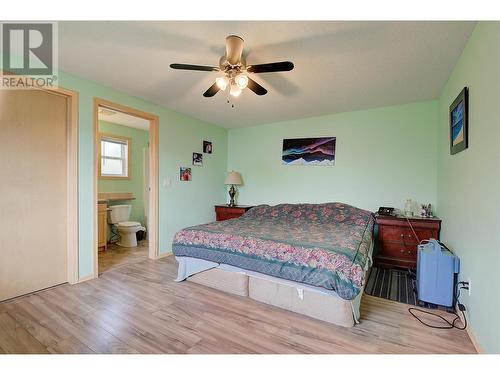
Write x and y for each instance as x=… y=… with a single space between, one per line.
x=233 y=178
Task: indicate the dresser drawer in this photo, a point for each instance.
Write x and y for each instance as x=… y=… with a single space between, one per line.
x=230 y=210
x=228 y=215
x=404 y=235
x=398 y=250
x=226 y=212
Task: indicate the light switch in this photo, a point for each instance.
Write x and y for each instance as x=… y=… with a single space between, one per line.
x=167 y=182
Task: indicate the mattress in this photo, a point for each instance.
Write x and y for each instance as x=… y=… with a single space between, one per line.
x=322 y=245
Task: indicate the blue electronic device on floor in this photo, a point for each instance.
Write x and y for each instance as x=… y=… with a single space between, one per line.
x=437 y=271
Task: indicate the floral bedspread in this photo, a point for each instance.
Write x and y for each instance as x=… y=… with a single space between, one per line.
x=325 y=245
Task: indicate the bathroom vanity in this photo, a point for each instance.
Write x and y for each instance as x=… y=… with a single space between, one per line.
x=102 y=225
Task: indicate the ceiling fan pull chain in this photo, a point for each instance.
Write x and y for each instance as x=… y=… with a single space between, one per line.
x=229 y=100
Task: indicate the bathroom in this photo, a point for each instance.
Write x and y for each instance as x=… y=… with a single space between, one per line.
x=123 y=188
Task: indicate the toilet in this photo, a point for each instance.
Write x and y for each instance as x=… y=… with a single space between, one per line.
x=119 y=215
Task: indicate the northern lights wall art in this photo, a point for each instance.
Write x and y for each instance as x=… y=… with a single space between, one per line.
x=309 y=151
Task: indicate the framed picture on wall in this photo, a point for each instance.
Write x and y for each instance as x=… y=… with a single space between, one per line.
x=309 y=151
x=185 y=174
x=459 y=122
x=207 y=147
x=197 y=158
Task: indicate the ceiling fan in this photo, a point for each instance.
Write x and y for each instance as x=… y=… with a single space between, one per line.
x=235 y=71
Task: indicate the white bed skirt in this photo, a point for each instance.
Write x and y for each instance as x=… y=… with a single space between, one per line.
x=308 y=300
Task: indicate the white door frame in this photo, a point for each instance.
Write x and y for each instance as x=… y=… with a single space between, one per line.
x=72 y=180
x=153 y=177
x=72 y=184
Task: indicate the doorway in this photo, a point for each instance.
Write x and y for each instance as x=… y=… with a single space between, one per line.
x=38 y=193
x=125 y=185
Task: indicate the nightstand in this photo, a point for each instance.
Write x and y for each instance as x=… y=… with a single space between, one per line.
x=224 y=212
x=396 y=242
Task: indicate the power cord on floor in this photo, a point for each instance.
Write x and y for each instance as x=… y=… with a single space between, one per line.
x=450 y=324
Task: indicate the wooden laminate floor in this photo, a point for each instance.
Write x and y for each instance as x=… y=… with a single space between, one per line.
x=138 y=308
x=115 y=256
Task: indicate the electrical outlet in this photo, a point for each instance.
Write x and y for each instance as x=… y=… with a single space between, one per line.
x=465 y=285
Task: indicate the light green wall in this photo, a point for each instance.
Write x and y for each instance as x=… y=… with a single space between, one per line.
x=180 y=205
x=135 y=183
x=469 y=182
x=383 y=156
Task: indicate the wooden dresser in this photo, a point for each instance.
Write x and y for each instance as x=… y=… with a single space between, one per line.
x=224 y=212
x=396 y=241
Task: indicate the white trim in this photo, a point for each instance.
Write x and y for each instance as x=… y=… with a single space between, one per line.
x=163 y=255
x=72 y=182
x=472 y=337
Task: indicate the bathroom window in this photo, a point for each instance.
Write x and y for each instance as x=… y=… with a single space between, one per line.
x=115 y=153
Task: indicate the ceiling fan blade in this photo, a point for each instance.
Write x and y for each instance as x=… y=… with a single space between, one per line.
x=194 y=67
x=234 y=49
x=212 y=90
x=283 y=66
x=255 y=87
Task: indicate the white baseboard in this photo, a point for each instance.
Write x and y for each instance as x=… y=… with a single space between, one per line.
x=87 y=278
x=472 y=337
x=164 y=255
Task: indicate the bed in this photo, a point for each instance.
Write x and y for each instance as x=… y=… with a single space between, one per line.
x=308 y=258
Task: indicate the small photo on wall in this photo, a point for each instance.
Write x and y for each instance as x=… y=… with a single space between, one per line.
x=197 y=158
x=185 y=174
x=207 y=147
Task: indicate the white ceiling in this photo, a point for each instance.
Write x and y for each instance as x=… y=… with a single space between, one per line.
x=339 y=66
x=121 y=118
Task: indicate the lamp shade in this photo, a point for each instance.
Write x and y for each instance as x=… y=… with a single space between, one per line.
x=233 y=178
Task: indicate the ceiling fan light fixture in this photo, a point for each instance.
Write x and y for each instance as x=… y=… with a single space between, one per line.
x=234 y=70
x=241 y=81
x=222 y=82
x=235 y=91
